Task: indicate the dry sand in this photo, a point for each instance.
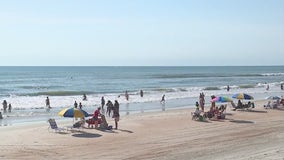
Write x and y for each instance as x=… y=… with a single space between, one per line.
x=172 y=134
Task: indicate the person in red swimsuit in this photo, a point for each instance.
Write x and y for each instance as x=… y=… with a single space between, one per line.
x=96 y=115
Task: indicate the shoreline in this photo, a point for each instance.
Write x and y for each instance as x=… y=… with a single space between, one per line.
x=40 y=114
x=169 y=134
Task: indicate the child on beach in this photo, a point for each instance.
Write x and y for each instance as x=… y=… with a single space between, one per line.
x=9 y=107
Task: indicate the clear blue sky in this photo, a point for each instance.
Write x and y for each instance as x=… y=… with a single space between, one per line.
x=141 y=32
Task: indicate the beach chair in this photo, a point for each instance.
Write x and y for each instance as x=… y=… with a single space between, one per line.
x=53 y=126
x=268 y=105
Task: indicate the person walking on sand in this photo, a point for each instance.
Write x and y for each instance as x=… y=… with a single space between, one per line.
x=116 y=113
x=47 y=102
x=163 y=99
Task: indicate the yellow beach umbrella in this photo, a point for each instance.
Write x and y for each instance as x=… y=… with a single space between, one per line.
x=73 y=113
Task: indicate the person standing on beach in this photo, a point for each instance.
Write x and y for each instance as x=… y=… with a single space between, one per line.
x=281 y=86
x=109 y=107
x=116 y=113
x=47 y=102
x=80 y=105
x=103 y=102
x=96 y=115
x=202 y=101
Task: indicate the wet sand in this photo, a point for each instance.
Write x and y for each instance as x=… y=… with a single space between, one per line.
x=256 y=134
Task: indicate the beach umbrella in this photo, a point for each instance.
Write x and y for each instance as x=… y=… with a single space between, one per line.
x=221 y=99
x=273 y=97
x=73 y=113
x=242 y=96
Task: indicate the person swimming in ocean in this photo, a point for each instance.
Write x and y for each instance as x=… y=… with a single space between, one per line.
x=84 y=97
x=163 y=99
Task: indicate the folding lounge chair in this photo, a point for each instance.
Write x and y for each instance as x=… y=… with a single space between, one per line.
x=53 y=126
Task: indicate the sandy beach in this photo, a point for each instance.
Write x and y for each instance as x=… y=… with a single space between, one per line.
x=256 y=134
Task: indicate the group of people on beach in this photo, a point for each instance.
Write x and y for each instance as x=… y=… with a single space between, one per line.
x=99 y=115
x=214 y=111
x=5 y=106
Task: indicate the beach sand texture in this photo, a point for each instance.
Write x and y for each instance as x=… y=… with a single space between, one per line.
x=171 y=134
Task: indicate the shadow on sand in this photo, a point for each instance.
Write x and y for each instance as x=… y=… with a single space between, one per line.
x=82 y=134
x=250 y=110
x=240 y=121
x=280 y=109
x=124 y=130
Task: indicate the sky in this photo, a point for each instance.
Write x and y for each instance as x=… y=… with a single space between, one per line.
x=141 y=32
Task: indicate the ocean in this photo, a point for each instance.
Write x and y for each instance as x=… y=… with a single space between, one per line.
x=26 y=88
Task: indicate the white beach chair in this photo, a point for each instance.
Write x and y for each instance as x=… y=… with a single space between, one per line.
x=53 y=126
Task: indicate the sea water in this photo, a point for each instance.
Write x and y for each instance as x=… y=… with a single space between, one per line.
x=26 y=88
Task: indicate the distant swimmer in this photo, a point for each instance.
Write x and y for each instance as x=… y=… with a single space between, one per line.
x=228 y=88
x=281 y=86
